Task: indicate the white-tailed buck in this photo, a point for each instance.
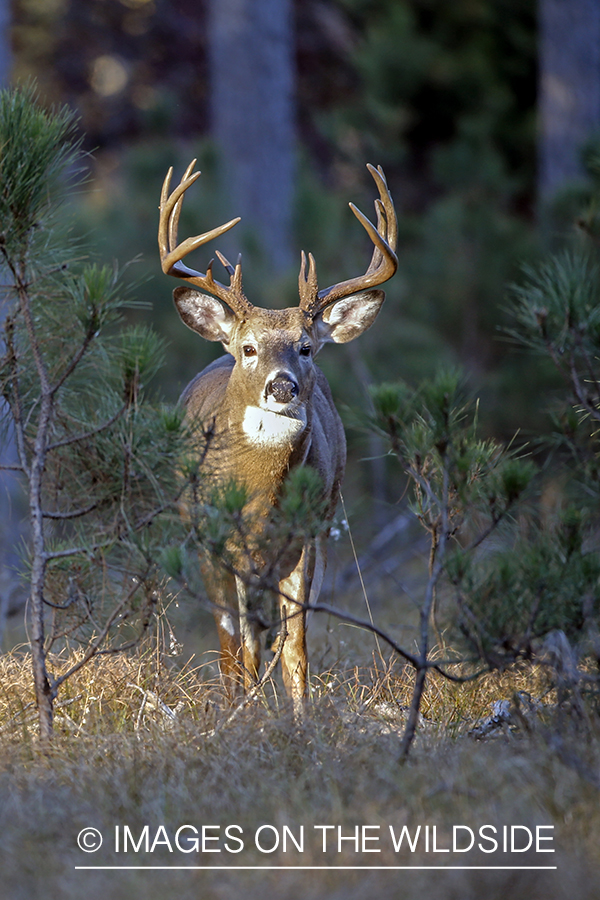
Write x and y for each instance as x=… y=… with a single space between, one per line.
x=269 y=409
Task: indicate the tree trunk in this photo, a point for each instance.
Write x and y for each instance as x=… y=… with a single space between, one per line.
x=252 y=111
x=569 y=88
x=43 y=690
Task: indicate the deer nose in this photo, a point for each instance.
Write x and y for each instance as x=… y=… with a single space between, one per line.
x=282 y=388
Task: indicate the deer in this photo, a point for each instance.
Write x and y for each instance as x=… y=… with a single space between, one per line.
x=269 y=409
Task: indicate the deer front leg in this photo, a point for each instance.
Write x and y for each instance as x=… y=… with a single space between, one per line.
x=229 y=659
x=293 y=594
x=300 y=587
x=221 y=591
x=249 y=633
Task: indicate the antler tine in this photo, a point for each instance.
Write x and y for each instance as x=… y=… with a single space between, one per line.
x=377 y=257
x=174 y=217
x=172 y=253
x=307 y=281
x=235 y=273
x=383 y=261
x=385 y=205
x=170 y=206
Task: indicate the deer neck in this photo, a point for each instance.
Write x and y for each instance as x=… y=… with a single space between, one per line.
x=264 y=451
x=269 y=443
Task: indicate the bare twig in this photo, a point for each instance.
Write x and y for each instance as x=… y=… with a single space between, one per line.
x=94 y=648
x=75 y=514
x=85 y=435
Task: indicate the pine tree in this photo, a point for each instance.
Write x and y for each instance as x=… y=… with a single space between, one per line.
x=96 y=456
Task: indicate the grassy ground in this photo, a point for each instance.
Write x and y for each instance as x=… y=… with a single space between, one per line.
x=139 y=744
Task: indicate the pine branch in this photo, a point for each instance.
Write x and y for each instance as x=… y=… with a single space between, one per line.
x=75 y=439
x=74 y=361
x=74 y=514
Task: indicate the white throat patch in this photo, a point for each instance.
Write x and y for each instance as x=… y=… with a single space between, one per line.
x=266 y=428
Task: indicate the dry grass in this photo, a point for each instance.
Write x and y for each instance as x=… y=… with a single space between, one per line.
x=111 y=694
x=135 y=745
x=124 y=693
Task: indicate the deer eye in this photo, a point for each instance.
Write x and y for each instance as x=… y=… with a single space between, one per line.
x=249 y=350
x=305 y=350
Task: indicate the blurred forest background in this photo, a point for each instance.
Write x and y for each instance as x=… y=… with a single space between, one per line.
x=480 y=112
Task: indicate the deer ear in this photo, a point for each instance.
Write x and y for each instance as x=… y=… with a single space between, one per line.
x=348 y=318
x=203 y=314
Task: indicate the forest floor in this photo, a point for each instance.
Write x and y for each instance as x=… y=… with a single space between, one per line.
x=189 y=805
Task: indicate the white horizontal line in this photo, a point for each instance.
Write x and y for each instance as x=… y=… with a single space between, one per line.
x=315 y=868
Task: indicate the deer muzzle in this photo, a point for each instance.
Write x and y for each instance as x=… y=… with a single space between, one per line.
x=282 y=388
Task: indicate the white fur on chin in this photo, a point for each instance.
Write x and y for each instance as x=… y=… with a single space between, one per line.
x=266 y=428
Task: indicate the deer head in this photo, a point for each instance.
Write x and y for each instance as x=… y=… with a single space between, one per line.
x=274 y=349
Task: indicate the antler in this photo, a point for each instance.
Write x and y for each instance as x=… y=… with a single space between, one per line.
x=171 y=253
x=383 y=262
